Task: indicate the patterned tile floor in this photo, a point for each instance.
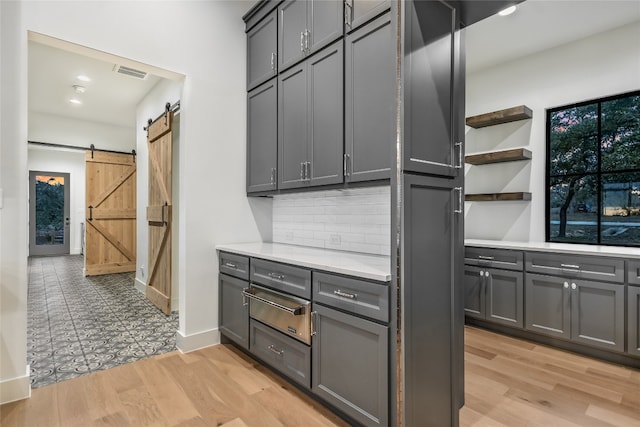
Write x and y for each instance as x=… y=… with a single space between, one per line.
x=78 y=325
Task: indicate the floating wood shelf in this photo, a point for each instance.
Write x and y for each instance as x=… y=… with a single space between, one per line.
x=498 y=156
x=497 y=197
x=513 y=114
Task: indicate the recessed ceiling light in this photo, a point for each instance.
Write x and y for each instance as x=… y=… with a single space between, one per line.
x=75 y=101
x=507 y=11
x=83 y=78
x=79 y=89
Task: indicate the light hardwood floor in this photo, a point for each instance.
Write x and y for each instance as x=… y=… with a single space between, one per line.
x=509 y=382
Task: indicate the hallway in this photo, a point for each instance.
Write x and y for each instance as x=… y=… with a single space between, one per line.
x=78 y=325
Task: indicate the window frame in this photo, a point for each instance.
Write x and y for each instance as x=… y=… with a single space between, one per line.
x=598 y=173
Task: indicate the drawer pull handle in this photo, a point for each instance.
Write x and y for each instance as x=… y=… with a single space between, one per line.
x=339 y=293
x=276 y=276
x=230 y=265
x=489 y=258
x=573 y=266
x=294 y=311
x=275 y=350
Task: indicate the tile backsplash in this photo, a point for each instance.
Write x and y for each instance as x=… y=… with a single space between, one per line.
x=357 y=220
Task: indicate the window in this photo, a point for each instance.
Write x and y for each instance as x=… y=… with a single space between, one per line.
x=593 y=172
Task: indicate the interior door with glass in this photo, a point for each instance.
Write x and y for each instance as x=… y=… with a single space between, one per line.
x=48 y=213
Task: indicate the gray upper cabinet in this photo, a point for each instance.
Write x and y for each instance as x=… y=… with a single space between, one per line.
x=234 y=310
x=633 y=320
x=262 y=137
x=357 y=12
x=310 y=141
x=307 y=26
x=433 y=91
x=351 y=365
x=583 y=311
x=262 y=53
x=369 y=101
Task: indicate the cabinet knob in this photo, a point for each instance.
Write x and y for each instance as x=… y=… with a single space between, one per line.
x=574 y=286
x=566 y=285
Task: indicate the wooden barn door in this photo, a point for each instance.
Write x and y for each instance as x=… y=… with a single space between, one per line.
x=110 y=213
x=159 y=140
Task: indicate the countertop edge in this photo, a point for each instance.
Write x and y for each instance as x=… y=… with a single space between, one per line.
x=568 y=248
x=237 y=248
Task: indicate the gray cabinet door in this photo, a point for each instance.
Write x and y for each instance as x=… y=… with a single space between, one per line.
x=433 y=298
x=370 y=101
x=633 y=320
x=351 y=365
x=262 y=137
x=325 y=23
x=597 y=314
x=234 y=313
x=360 y=11
x=432 y=94
x=474 y=292
x=262 y=45
x=293 y=24
x=504 y=297
x=325 y=95
x=292 y=121
x=548 y=306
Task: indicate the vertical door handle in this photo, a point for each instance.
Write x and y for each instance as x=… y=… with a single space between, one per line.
x=307 y=171
x=348 y=13
x=458 y=145
x=314 y=331
x=245 y=301
x=345 y=165
x=307 y=36
x=273 y=62
x=90 y=213
x=302 y=41
x=460 y=207
x=301 y=171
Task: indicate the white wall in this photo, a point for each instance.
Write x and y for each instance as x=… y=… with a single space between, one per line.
x=73 y=163
x=204 y=41
x=67 y=131
x=597 y=66
x=357 y=220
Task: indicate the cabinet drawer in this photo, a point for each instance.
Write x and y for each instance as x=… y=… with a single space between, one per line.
x=286 y=278
x=355 y=296
x=584 y=267
x=284 y=354
x=234 y=265
x=634 y=272
x=497 y=258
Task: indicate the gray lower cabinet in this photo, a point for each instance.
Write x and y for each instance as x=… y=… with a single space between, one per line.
x=369 y=101
x=234 y=310
x=306 y=26
x=262 y=137
x=633 y=322
x=351 y=365
x=583 y=311
x=357 y=12
x=281 y=352
x=262 y=49
x=310 y=110
x=494 y=295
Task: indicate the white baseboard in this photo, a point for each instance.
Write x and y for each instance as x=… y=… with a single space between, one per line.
x=75 y=251
x=140 y=286
x=189 y=343
x=15 y=388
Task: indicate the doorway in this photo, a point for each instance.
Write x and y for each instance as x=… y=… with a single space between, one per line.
x=49 y=213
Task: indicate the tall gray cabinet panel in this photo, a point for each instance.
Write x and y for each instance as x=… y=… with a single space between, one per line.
x=262 y=50
x=307 y=26
x=432 y=301
x=351 y=365
x=234 y=313
x=432 y=89
x=369 y=101
x=633 y=322
x=262 y=137
x=310 y=138
x=548 y=305
x=357 y=12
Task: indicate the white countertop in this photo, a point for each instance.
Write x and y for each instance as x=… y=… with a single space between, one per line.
x=373 y=267
x=613 y=251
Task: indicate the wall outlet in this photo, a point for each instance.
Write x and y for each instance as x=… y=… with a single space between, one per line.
x=334 y=239
x=288 y=235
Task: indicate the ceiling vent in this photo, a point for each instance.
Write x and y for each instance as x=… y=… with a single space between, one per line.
x=129 y=71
